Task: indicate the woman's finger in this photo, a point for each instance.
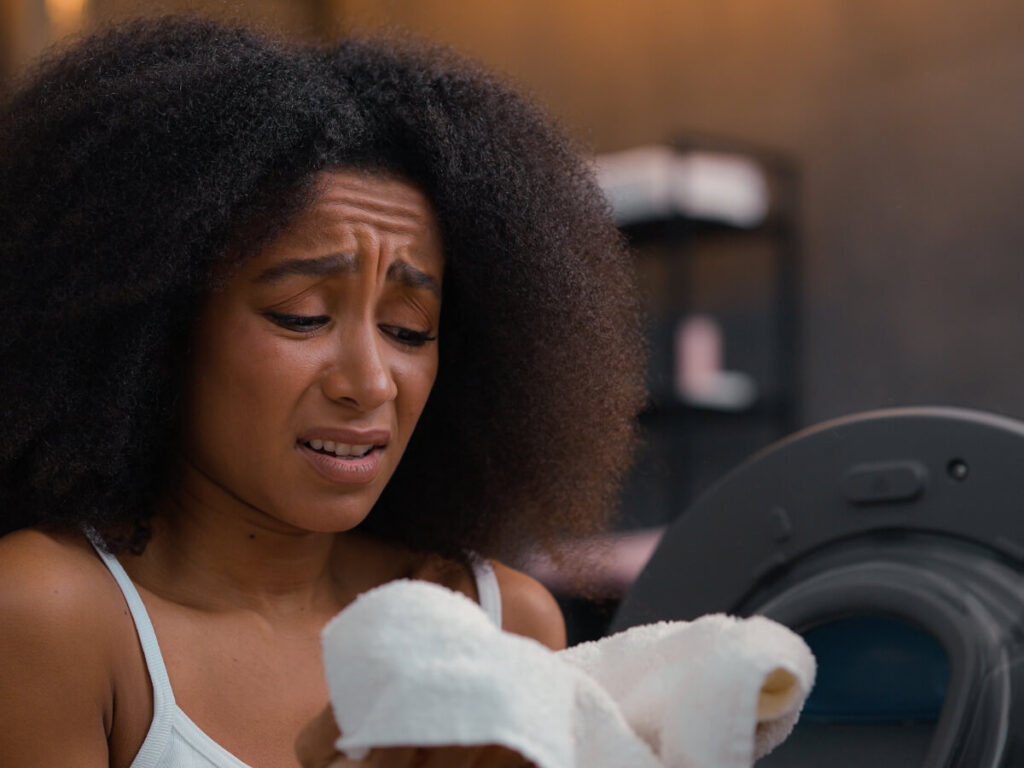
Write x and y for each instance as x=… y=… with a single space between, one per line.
x=315 y=745
x=315 y=748
x=500 y=757
x=394 y=757
x=491 y=756
x=443 y=757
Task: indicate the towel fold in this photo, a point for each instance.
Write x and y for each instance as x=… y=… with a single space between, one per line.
x=412 y=663
x=718 y=691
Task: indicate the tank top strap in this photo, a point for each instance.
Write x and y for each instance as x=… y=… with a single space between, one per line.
x=487 y=589
x=163 y=697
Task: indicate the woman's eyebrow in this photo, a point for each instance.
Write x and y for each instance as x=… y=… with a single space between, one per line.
x=405 y=273
x=322 y=265
x=335 y=263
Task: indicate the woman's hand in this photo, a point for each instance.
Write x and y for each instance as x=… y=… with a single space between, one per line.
x=315 y=748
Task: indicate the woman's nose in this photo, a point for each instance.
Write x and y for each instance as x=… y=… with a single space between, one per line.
x=359 y=374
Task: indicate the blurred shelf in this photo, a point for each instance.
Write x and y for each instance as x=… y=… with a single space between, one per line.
x=648 y=231
x=714 y=225
x=765 y=407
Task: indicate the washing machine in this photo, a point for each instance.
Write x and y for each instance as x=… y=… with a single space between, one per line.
x=893 y=542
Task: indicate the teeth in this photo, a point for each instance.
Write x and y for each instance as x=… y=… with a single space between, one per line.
x=340 y=449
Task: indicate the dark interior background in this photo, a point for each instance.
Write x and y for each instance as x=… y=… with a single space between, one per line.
x=904 y=119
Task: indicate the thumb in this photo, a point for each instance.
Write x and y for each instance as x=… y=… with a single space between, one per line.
x=315 y=744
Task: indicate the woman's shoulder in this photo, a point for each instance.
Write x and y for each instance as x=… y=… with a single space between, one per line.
x=60 y=620
x=51 y=573
x=528 y=608
x=55 y=593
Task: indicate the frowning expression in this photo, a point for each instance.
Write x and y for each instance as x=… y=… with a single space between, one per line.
x=311 y=366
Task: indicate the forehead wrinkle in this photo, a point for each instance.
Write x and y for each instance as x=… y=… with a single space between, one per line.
x=391 y=219
x=374 y=192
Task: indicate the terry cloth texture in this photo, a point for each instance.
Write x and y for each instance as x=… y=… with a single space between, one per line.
x=412 y=663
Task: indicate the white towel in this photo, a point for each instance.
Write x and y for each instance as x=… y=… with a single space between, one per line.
x=412 y=663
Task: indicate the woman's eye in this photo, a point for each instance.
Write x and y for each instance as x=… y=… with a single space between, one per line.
x=297 y=322
x=406 y=336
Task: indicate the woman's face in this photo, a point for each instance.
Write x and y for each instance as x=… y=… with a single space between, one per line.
x=312 y=365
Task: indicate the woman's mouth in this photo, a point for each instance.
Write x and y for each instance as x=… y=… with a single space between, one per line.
x=343 y=463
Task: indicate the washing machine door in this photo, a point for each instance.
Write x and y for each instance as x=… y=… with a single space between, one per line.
x=894 y=542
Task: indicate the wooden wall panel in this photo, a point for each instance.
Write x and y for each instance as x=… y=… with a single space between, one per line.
x=290 y=17
x=24 y=31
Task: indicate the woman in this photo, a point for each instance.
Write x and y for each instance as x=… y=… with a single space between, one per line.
x=241 y=280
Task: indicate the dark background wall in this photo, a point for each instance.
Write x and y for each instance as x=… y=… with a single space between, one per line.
x=906 y=119
x=914 y=230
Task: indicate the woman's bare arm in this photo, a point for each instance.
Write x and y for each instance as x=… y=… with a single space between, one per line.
x=55 y=686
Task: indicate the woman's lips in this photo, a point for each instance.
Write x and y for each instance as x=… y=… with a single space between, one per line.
x=353 y=471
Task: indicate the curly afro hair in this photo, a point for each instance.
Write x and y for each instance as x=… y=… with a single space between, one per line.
x=134 y=162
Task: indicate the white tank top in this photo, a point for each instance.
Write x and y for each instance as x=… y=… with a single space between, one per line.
x=173 y=740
